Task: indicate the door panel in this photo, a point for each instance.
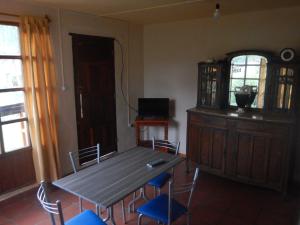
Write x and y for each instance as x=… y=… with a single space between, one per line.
x=259 y=159
x=205 y=146
x=95 y=92
x=193 y=152
x=16 y=170
x=243 y=155
x=276 y=154
x=218 y=148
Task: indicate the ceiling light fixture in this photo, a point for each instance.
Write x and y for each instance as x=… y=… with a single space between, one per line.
x=217 y=11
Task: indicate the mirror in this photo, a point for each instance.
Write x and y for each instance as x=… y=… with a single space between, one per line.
x=248 y=70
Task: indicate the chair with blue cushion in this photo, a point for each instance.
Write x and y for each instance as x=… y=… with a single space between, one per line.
x=165 y=209
x=84 y=158
x=170 y=147
x=87 y=217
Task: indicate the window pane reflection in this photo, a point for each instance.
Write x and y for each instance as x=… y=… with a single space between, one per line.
x=15 y=136
x=9 y=40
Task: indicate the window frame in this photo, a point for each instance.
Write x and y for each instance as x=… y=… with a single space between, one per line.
x=25 y=118
x=269 y=58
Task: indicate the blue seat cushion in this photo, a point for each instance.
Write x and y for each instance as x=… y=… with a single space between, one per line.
x=160 y=180
x=87 y=217
x=157 y=209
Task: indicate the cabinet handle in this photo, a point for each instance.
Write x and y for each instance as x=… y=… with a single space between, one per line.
x=81 y=108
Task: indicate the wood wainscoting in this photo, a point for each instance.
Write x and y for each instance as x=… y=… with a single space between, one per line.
x=16 y=170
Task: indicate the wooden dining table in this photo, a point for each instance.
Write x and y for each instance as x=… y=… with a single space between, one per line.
x=113 y=179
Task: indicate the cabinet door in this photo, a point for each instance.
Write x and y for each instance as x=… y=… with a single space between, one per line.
x=205 y=146
x=259 y=159
x=218 y=149
x=277 y=158
x=193 y=143
x=243 y=155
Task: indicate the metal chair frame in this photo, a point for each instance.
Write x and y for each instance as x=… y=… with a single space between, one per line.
x=75 y=158
x=171 y=146
x=51 y=208
x=181 y=189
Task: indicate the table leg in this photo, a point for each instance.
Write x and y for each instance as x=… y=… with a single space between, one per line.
x=166 y=132
x=97 y=210
x=170 y=198
x=111 y=215
x=141 y=195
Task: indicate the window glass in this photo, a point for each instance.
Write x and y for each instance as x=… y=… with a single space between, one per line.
x=253 y=72
x=15 y=136
x=12 y=112
x=237 y=71
x=239 y=60
x=236 y=83
x=14 y=133
x=9 y=40
x=11 y=98
x=254 y=59
x=11 y=73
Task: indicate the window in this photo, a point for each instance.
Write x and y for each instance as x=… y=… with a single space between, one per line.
x=248 y=70
x=14 y=133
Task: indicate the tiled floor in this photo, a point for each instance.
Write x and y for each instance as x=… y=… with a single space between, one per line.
x=216 y=201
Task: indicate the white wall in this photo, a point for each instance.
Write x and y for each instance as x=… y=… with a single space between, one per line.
x=131 y=37
x=172 y=51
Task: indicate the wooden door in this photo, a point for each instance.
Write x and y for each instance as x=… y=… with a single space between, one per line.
x=95 y=92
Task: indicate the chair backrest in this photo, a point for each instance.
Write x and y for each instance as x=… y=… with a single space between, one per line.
x=52 y=208
x=85 y=157
x=171 y=147
x=190 y=187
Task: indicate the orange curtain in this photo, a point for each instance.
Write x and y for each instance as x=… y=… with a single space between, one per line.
x=41 y=96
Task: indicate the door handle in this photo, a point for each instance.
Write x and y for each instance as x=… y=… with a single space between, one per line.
x=81 y=108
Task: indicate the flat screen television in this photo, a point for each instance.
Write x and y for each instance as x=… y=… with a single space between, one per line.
x=153 y=108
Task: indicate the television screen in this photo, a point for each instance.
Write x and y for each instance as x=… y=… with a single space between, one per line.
x=153 y=107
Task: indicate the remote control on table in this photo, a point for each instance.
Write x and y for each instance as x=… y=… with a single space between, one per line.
x=156 y=163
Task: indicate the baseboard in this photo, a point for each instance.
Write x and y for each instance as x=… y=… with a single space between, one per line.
x=11 y=194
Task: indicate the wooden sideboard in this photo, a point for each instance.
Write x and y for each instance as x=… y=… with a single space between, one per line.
x=250 y=147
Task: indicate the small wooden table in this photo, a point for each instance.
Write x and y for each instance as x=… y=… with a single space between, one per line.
x=150 y=123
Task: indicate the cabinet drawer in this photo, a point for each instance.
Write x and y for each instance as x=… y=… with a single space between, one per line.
x=208 y=121
x=263 y=127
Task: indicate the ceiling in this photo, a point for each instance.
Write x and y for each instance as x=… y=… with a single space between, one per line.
x=156 y=11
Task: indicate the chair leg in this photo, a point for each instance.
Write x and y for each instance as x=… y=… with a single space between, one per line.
x=97 y=210
x=123 y=211
x=140 y=219
x=158 y=191
x=80 y=204
x=188 y=219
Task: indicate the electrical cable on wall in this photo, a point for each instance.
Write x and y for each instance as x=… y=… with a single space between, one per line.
x=122 y=78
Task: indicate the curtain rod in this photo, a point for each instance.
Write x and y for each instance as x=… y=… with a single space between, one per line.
x=16 y=15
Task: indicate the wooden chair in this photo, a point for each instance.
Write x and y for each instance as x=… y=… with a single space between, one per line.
x=86 y=217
